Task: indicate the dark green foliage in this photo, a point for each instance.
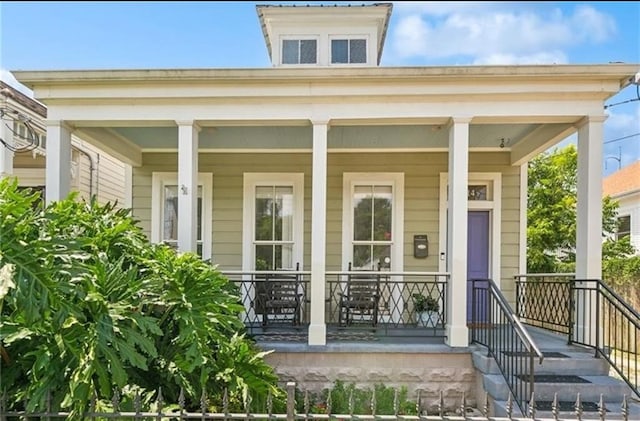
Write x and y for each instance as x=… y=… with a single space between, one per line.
x=551 y=213
x=87 y=305
x=342 y=394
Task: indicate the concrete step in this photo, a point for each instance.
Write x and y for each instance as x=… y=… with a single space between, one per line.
x=571 y=362
x=613 y=389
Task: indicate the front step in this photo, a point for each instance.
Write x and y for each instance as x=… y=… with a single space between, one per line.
x=564 y=373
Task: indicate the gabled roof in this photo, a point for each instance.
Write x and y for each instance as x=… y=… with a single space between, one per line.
x=623 y=181
x=9 y=91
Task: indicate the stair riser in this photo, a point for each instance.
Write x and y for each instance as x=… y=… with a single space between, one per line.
x=584 y=367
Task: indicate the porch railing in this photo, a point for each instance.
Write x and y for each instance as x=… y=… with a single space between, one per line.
x=592 y=314
x=495 y=325
x=395 y=312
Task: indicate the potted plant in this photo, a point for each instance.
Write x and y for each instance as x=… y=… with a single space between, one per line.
x=427 y=310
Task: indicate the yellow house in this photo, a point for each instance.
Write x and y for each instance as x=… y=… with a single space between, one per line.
x=327 y=168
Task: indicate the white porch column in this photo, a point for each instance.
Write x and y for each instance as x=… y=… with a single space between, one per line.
x=456 y=329
x=588 y=225
x=58 y=161
x=317 y=326
x=589 y=199
x=187 y=186
x=6 y=156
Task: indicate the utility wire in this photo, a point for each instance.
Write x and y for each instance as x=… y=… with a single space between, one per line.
x=621 y=138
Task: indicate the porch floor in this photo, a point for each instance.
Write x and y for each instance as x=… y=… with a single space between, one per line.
x=389 y=340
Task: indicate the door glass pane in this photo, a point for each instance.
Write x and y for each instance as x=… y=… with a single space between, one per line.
x=283 y=213
x=339 y=51
x=381 y=256
x=382 y=213
x=290 y=51
x=264 y=213
x=358 y=51
x=308 y=51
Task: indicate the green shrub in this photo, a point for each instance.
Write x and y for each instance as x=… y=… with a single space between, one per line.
x=88 y=305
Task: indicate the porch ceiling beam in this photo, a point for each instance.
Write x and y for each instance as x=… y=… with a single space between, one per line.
x=539 y=140
x=112 y=143
x=339 y=111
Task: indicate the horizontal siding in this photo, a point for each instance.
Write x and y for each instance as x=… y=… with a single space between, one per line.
x=422 y=199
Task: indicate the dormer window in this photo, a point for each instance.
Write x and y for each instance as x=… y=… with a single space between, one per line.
x=348 y=51
x=299 y=51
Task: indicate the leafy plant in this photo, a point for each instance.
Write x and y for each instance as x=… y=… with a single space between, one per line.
x=87 y=306
x=424 y=303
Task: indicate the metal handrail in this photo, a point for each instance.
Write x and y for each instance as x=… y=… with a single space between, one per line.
x=610 y=323
x=500 y=313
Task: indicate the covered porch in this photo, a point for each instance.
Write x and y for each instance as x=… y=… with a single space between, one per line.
x=331 y=174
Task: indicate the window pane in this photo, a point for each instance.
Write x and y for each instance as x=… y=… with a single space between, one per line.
x=308 y=51
x=357 y=51
x=362 y=213
x=264 y=213
x=274 y=256
x=283 y=256
x=381 y=256
x=290 y=51
x=339 y=51
x=624 y=226
x=361 y=257
x=170 y=223
x=284 y=213
x=264 y=257
x=382 y=213
x=477 y=192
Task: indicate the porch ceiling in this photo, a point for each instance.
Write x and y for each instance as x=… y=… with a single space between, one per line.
x=507 y=137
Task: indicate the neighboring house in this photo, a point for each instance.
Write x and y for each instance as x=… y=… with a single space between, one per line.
x=329 y=163
x=92 y=172
x=624 y=187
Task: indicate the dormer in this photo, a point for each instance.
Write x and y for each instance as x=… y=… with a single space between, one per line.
x=320 y=35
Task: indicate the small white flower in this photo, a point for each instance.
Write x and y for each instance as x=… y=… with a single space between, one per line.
x=6 y=279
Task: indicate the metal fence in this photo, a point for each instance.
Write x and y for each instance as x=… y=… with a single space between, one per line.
x=463 y=412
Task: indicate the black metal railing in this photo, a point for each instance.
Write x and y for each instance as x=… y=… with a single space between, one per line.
x=604 y=321
x=393 y=307
x=542 y=300
x=273 y=299
x=590 y=313
x=496 y=326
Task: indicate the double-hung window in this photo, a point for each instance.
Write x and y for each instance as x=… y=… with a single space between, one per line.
x=299 y=51
x=273 y=220
x=373 y=221
x=164 y=212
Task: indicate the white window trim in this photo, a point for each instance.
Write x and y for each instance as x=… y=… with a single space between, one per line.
x=396 y=181
x=251 y=180
x=283 y=38
x=161 y=179
x=616 y=234
x=494 y=206
x=349 y=37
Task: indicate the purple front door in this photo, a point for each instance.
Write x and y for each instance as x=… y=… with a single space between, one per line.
x=477 y=254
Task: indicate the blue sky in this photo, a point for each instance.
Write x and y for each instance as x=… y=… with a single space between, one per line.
x=115 y=35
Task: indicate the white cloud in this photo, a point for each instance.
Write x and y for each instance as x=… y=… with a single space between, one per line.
x=8 y=78
x=495 y=33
